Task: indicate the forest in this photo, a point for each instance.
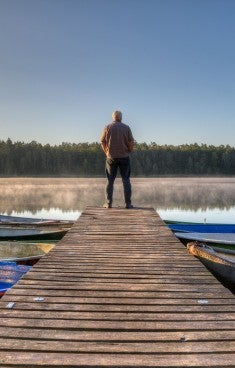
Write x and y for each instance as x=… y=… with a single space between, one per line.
x=88 y=159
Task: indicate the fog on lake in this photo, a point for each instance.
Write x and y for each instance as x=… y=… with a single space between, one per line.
x=67 y=197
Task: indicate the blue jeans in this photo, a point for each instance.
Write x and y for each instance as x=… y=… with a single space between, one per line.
x=111 y=168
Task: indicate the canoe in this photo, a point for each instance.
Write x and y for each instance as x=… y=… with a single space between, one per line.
x=17 y=220
x=208 y=238
x=10 y=273
x=220 y=261
x=12 y=233
x=21 y=252
x=202 y=228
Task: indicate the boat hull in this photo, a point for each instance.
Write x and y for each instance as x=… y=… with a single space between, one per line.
x=222 y=264
x=30 y=234
x=22 y=252
x=23 y=221
x=208 y=238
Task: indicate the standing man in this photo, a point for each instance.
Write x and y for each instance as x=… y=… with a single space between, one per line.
x=117 y=142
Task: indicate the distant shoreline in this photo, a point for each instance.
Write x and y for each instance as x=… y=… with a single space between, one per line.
x=103 y=177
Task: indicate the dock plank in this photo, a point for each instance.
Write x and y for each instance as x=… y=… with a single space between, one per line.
x=34 y=359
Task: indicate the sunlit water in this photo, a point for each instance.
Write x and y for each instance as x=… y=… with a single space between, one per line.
x=215 y=215
x=51 y=214
x=182 y=199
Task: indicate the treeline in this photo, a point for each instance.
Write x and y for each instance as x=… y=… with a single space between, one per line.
x=87 y=159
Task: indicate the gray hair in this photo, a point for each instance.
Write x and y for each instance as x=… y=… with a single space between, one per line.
x=117 y=116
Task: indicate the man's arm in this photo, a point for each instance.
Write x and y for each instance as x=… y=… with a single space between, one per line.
x=131 y=146
x=131 y=142
x=104 y=147
x=103 y=142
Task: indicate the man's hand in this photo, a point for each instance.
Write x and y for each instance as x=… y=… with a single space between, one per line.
x=104 y=148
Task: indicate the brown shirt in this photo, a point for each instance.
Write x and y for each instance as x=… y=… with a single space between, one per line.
x=117 y=140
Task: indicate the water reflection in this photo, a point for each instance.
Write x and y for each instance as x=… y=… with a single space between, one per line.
x=74 y=194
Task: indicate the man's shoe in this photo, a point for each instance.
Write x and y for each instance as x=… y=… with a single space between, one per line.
x=129 y=206
x=107 y=205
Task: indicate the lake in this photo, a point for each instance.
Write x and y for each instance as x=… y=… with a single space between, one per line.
x=184 y=199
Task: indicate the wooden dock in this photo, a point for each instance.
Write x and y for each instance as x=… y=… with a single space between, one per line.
x=119 y=290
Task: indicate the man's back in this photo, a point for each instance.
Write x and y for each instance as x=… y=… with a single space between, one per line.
x=118 y=139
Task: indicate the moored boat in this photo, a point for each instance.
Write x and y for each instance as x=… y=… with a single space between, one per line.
x=24 y=233
x=208 y=238
x=10 y=273
x=202 y=228
x=18 y=221
x=22 y=252
x=219 y=261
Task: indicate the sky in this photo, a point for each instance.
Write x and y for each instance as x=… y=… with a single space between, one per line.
x=168 y=65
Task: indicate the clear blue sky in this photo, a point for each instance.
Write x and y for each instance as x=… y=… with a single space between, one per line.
x=169 y=65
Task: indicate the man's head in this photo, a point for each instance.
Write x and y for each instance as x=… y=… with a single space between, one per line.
x=117 y=116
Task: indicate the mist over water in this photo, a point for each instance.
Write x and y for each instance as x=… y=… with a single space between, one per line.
x=67 y=197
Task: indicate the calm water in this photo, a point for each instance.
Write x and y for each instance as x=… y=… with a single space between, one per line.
x=185 y=199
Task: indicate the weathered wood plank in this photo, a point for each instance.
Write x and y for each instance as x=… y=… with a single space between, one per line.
x=107 y=306
x=118 y=286
x=148 y=296
x=120 y=316
x=115 y=280
x=116 y=347
x=25 y=295
x=36 y=359
x=109 y=273
x=117 y=325
x=116 y=336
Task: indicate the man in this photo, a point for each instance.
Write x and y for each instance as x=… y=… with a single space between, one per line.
x=117 y=142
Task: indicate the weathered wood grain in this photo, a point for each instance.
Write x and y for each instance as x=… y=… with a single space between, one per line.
x=48 y=359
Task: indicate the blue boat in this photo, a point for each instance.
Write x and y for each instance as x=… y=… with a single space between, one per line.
x=10 y=273
x=201 y=227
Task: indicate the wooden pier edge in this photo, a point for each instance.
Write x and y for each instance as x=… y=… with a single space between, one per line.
x=119 y=290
